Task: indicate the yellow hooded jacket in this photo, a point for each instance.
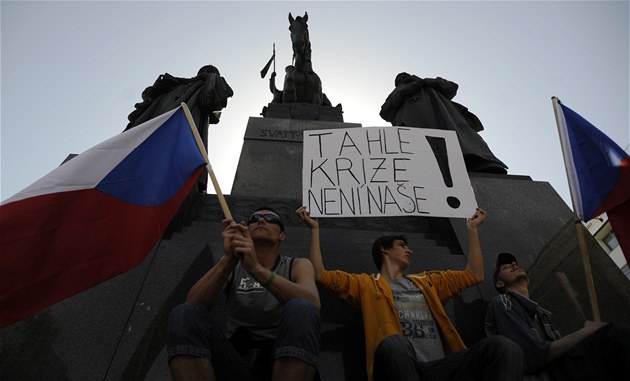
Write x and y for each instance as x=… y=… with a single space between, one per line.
x=380 y=317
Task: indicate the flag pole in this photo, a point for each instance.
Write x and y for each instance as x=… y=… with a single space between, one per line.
x=274 y=57
x=586 y=263
x=202 y=149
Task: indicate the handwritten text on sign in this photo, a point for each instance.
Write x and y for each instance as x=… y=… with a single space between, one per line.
x=385 y=171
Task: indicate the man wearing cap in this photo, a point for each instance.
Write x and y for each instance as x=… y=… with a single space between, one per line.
x=272 y=308
x=598 y=351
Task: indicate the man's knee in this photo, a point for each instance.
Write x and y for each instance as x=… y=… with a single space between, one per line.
x=395 y=346
x=187 y=318
x=301 y=306
x=394 y=359
x=302 y=312
x=501 y=346
x=298 y=332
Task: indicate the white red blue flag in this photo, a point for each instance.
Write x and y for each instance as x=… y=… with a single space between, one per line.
x=598 y=171
x=96 y=216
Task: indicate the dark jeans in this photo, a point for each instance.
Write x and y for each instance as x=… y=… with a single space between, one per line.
x=603 y=355
x=493 y=358
x=193 y=331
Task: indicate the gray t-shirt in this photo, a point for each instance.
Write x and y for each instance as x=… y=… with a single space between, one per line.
x=253 y=307
x=418 y=323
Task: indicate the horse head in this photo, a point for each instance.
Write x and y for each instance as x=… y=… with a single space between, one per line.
x=299 y=35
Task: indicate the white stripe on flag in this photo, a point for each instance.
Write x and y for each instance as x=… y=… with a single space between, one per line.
x=90 y=167
x=567 y=153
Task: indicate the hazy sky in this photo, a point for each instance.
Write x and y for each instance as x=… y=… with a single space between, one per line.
x=72 y=71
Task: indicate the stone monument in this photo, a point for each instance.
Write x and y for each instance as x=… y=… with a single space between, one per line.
x=206 y=94
x=116 y=330
x=302 y=96
x=427 y=103
x=275 y=140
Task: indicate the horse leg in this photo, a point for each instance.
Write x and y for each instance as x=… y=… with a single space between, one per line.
x=289 y=94
x=315 y=89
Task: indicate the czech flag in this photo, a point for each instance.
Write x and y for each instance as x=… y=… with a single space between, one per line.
x=598 y=171
x=96 y=216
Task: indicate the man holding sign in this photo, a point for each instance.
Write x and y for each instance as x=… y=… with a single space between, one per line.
x=407 y=332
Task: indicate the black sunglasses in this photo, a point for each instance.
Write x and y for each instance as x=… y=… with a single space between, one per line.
x=271 y=218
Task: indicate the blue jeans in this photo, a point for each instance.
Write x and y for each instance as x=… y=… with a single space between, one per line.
x=493 y=358
x=193 y=331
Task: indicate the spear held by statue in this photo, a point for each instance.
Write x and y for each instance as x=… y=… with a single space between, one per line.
x=265 y=69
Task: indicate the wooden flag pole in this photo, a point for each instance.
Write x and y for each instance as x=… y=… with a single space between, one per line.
x=202 y=149
x=586 y=263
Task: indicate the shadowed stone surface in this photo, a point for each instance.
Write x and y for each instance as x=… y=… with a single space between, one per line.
x=116 y=330
x=271 y=160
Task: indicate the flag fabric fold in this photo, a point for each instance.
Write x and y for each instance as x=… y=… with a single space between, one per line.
x=96 y=216
x=598 y=171
x=265 y=69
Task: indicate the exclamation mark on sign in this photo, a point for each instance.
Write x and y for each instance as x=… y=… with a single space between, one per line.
x=438 y=145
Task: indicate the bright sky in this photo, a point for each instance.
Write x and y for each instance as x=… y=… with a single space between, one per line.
x=72 y=71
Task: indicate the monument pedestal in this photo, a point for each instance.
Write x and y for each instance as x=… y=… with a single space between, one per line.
x=123 y=321
x=271 y=159
x=303 y=111
x=128 y=314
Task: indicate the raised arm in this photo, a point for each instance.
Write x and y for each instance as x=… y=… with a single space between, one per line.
x=213 y=282
x=475 y=260
x=315 y=253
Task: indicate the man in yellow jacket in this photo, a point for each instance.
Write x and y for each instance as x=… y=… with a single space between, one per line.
x=407 y=332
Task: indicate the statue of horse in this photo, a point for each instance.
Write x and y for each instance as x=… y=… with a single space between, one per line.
x=301 y=83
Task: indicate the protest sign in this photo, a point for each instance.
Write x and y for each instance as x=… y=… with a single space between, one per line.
x=385 y=171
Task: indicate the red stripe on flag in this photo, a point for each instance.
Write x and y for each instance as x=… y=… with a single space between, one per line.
x=57 y=245
x=620 y=193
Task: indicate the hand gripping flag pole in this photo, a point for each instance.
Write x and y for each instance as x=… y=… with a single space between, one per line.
x=202 y=149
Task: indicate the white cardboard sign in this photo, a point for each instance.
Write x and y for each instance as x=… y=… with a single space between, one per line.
x=385 y=171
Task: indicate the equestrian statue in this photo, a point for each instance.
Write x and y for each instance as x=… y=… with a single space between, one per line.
x=301 y=83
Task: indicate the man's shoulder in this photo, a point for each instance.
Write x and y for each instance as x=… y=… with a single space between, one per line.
x=511 y=301
x=295 y=259
x=432 y=274
x=504 y=301
x=426 y=274
x=297 y=263
x=344 y=274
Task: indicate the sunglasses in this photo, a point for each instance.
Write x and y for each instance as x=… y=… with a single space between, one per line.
x=271 y=218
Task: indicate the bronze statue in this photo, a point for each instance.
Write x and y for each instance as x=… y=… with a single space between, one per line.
x=206 y=95
x=301 y=83
x=427 y=103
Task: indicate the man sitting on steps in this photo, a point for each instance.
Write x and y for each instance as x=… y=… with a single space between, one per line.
x=408 y=335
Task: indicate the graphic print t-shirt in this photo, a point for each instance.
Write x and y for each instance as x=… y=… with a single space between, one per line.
x=418 y=323
x=251 y=306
